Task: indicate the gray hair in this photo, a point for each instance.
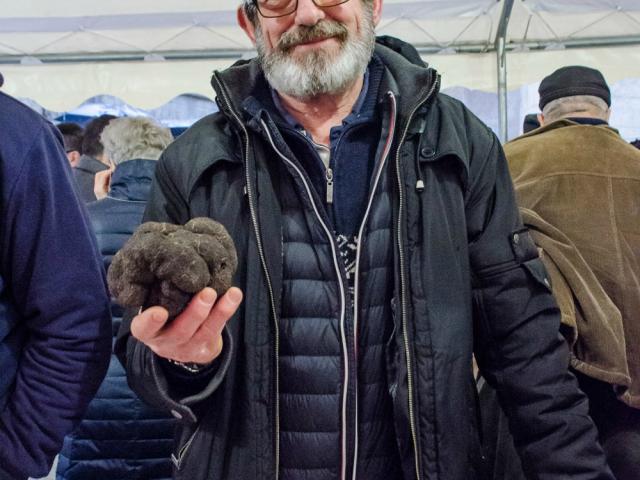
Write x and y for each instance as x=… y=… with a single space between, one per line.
x=576 y=105
x=131 y=138
x=251 y=11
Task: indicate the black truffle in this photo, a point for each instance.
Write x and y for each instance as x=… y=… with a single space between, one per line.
x=164 y=264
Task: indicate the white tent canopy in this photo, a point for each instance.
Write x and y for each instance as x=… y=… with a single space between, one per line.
x=41 y=27
x=90 y=48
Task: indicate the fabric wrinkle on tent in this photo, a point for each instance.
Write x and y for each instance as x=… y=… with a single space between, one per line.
x=61 y=53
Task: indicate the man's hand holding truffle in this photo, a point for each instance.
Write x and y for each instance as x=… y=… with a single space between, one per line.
x=177 y=273
x=195 y=335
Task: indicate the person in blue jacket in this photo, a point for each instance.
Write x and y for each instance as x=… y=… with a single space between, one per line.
x=54 y=306
x=120 y=436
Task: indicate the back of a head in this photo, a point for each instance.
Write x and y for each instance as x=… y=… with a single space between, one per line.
x=91 y=144
x=530 y=123
x=72 y=134
x=130 y=138
x=574 y=91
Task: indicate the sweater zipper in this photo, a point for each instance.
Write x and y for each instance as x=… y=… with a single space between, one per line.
x=254 y=221
x=329 y=179
x=403 y=285
x=385 y=155
x=334 y=253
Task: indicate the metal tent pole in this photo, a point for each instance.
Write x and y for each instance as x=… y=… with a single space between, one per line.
x=501 y=52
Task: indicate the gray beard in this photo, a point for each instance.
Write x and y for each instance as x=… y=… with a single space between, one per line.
x=318 y=72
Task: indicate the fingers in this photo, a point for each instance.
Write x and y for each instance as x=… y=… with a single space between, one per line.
x=187 y=323
x=195 y=334
x=226 y=307
x=101 y=183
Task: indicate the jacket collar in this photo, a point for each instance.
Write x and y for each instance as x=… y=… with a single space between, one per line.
x=564 y=122
x=246 y=79
x=90 y=164
x=132 y=179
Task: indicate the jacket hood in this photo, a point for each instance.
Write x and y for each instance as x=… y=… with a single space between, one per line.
x=132 y=180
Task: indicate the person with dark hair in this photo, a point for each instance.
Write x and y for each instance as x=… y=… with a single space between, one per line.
x=93 y=159
x=121 y=437
x=636 y=143
x=54 y=307
x=530 y=123
x=379 y=246
x=578 y=184
x=72 y=137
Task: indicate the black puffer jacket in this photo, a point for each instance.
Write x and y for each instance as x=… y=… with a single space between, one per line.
x=463 y=264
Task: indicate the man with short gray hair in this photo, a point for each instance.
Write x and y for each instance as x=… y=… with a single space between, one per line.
x=578 y=184
x=575 y=92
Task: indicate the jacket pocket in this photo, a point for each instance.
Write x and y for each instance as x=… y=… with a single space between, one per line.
x=478 y=465
x=526 y=253
x=536 y=269
x=183 y=445
x=390 y=350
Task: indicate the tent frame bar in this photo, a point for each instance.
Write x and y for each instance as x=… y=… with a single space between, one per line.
x=481 y=47
x=501 y=53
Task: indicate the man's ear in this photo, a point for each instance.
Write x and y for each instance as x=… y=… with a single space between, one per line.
x=246 y=24
x=377 y=11
x=608 y=114
x=541 y=119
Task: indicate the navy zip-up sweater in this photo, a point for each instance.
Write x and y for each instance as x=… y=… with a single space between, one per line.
x=54 y=308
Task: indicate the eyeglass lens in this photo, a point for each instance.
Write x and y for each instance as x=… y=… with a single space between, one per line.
x=280 y=8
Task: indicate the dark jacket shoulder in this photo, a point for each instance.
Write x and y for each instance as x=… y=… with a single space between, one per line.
x=208 y=141
x=16 y=143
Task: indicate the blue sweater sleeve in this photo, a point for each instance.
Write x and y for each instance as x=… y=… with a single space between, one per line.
x=50 y=264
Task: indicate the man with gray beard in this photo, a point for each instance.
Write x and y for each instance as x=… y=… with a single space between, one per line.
x=376 y=232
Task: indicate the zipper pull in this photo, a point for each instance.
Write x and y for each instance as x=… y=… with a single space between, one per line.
x=329 y=178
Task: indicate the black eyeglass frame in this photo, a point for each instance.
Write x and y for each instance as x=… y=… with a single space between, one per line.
x=255 y=4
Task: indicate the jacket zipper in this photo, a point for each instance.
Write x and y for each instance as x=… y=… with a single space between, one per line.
x=329 y=179
x=343 y=302
x=403 y=286
x=254 y=221
x=385 y=154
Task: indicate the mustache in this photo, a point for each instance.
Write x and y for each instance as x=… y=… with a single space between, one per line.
x=305 y=34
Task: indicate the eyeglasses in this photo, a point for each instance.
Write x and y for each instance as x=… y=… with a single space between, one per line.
x=281 y=8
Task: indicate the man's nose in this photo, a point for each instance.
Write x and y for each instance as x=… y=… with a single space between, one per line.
x=308 y=13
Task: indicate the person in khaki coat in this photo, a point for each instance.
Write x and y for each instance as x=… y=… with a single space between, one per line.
x=578 y=185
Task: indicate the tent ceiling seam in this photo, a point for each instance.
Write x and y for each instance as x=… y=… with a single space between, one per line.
x=595 y=22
